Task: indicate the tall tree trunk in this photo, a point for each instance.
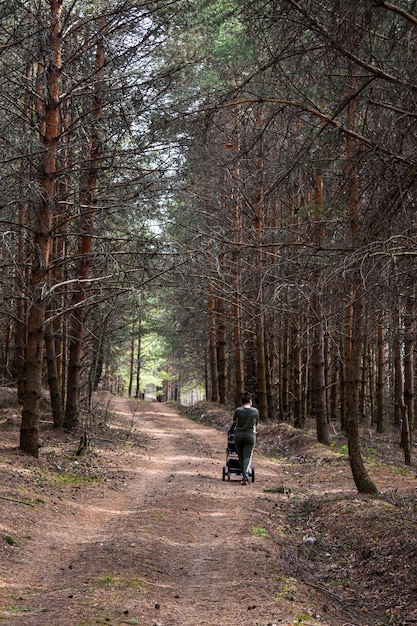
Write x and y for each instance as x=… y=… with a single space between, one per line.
x=32 y=369
x=237 y=275
x=262 y=396
x=139 y=363
x=362 y=480
x=297 y=381
x=354 y=334
x=54 y=382
x=400 y=415
x=214 y=377
x=334 y=396
x=319 y=382
x=285 y=372
x=53 y=329
x=22 y=217
x=132 y=363
x=88 y=207
x=221 y=349
x=408 y=423
x=271 y=366
x=97 y=365
x=237 y=313
x=318 y=353
x=261 y=382
x=42 y=225
x=345 y=350
x=238 y=349
x=380 y=382
x=21 y=308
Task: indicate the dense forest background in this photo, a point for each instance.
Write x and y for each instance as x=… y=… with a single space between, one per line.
x=217 y=194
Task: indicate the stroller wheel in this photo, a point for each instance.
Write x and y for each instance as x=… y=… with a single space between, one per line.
x=224 y=473
x=253 y=474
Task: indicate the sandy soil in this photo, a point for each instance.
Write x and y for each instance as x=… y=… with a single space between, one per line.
x=141 y=529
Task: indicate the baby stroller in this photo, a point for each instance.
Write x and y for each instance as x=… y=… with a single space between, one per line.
x=232 y=460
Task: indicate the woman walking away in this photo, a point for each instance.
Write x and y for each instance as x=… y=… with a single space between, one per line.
x=246 y=418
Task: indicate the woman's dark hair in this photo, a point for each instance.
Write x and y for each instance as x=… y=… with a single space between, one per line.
x=246 y=397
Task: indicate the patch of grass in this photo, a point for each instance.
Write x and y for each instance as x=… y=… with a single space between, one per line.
x=344 y=449
x=288 y=587
x=281 y=489
x=62 y=479
x=280 y=596
x=160 y=517
x=389 y=620
x=19 y=498
x=14 y=609
x=276 y=459
x=401 y=471
x=107 y=579
x=112 y=580
x=10 y=541
x=259 y=532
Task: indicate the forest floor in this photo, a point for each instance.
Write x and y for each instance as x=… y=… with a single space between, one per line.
x=141 y=529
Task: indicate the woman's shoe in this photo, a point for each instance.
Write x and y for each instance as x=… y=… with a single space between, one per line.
x=245 y=480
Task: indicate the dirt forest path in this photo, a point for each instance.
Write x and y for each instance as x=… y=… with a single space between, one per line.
x=174 y=546
x=166 y=544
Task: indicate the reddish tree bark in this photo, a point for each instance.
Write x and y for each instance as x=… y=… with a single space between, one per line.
x=88 y=205
x=42 y=224
x=354 y=331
